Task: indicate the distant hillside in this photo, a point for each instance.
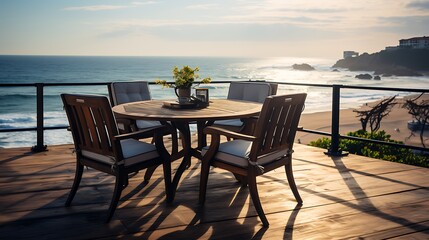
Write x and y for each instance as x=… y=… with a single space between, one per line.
x=399 y=62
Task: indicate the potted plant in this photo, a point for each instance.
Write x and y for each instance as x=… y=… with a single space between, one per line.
x=183 y=80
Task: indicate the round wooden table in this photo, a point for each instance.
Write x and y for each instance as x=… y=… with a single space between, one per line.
x=218 y=109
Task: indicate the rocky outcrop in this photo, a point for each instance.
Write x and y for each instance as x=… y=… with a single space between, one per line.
x=303 y=67
x=364 y=76
x=400 y=62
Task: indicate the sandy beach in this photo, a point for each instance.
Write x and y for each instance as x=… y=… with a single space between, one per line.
x=395 y=124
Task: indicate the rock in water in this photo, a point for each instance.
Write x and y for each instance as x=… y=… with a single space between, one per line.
x=364 y=76
x=303 y=67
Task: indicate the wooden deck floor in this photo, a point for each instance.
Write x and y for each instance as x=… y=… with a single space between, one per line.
x=349 y=197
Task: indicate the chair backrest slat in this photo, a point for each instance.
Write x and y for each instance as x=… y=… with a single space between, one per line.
x=102 y=129
x=277 y=123
x=271 y=127
x=282 y=127
x=80 y=124
x=291 y=124
x=92 y=122
x=78 y=139
x=92 y=127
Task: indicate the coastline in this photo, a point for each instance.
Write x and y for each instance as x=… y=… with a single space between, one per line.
x=402 y=61
x=395 y=124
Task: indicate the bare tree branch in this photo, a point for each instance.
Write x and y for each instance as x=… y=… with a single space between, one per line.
x=374 y=115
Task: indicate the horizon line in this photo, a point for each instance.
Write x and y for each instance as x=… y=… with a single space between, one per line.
x=171 y=56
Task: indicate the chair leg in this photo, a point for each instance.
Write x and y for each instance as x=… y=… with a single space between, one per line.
x=253 y=189
x=119 y=186
x=291 y=180
x=149 y=172
x=204 y=177
x=76 y=182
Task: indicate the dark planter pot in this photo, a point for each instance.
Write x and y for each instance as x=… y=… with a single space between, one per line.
x=183 y=92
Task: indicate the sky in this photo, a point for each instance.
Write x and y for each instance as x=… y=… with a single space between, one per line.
x=239 y=28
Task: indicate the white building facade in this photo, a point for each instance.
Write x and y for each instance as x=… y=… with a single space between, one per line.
x=416 y=42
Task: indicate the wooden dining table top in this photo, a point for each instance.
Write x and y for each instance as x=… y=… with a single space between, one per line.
x=218 y=109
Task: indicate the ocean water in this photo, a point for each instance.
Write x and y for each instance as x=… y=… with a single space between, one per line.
x=18 y=104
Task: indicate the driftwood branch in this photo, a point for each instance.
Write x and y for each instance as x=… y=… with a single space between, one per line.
x=374 y=115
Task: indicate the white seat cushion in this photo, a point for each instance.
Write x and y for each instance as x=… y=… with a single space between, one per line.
x=237 y=153
x=231 y=122
x=133 y=151
x=142 y=124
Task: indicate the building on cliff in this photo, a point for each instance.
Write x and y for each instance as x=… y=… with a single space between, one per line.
x=415 y=42
x=349 y=54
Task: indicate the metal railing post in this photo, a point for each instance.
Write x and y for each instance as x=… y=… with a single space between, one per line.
x=334 y=150
x=39 y=98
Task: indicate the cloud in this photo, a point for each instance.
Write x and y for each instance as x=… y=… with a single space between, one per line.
x=95 y=8
x=107 y=7
x=275 y=19
x=344 y=16
x=201 y=6
x=409 y=26
x=423 y=5
x=143 y=3
x=318 y=10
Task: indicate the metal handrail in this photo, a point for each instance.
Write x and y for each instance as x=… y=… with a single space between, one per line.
x=336 y=96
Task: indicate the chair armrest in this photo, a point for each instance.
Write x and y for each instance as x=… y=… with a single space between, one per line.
x=128 y=125
x=231 y=134
x=142 y=133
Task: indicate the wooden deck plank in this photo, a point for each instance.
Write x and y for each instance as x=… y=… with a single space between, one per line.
x=413 y=236
x=347 y=197
x=219 y=184
x=412 y=231
x=304 y=223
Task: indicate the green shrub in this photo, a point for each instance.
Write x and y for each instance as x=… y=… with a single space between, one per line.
x=373 y=150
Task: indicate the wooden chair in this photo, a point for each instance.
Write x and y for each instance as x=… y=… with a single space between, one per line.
x=124 y=92
x=98 y=145
x=249 y=156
